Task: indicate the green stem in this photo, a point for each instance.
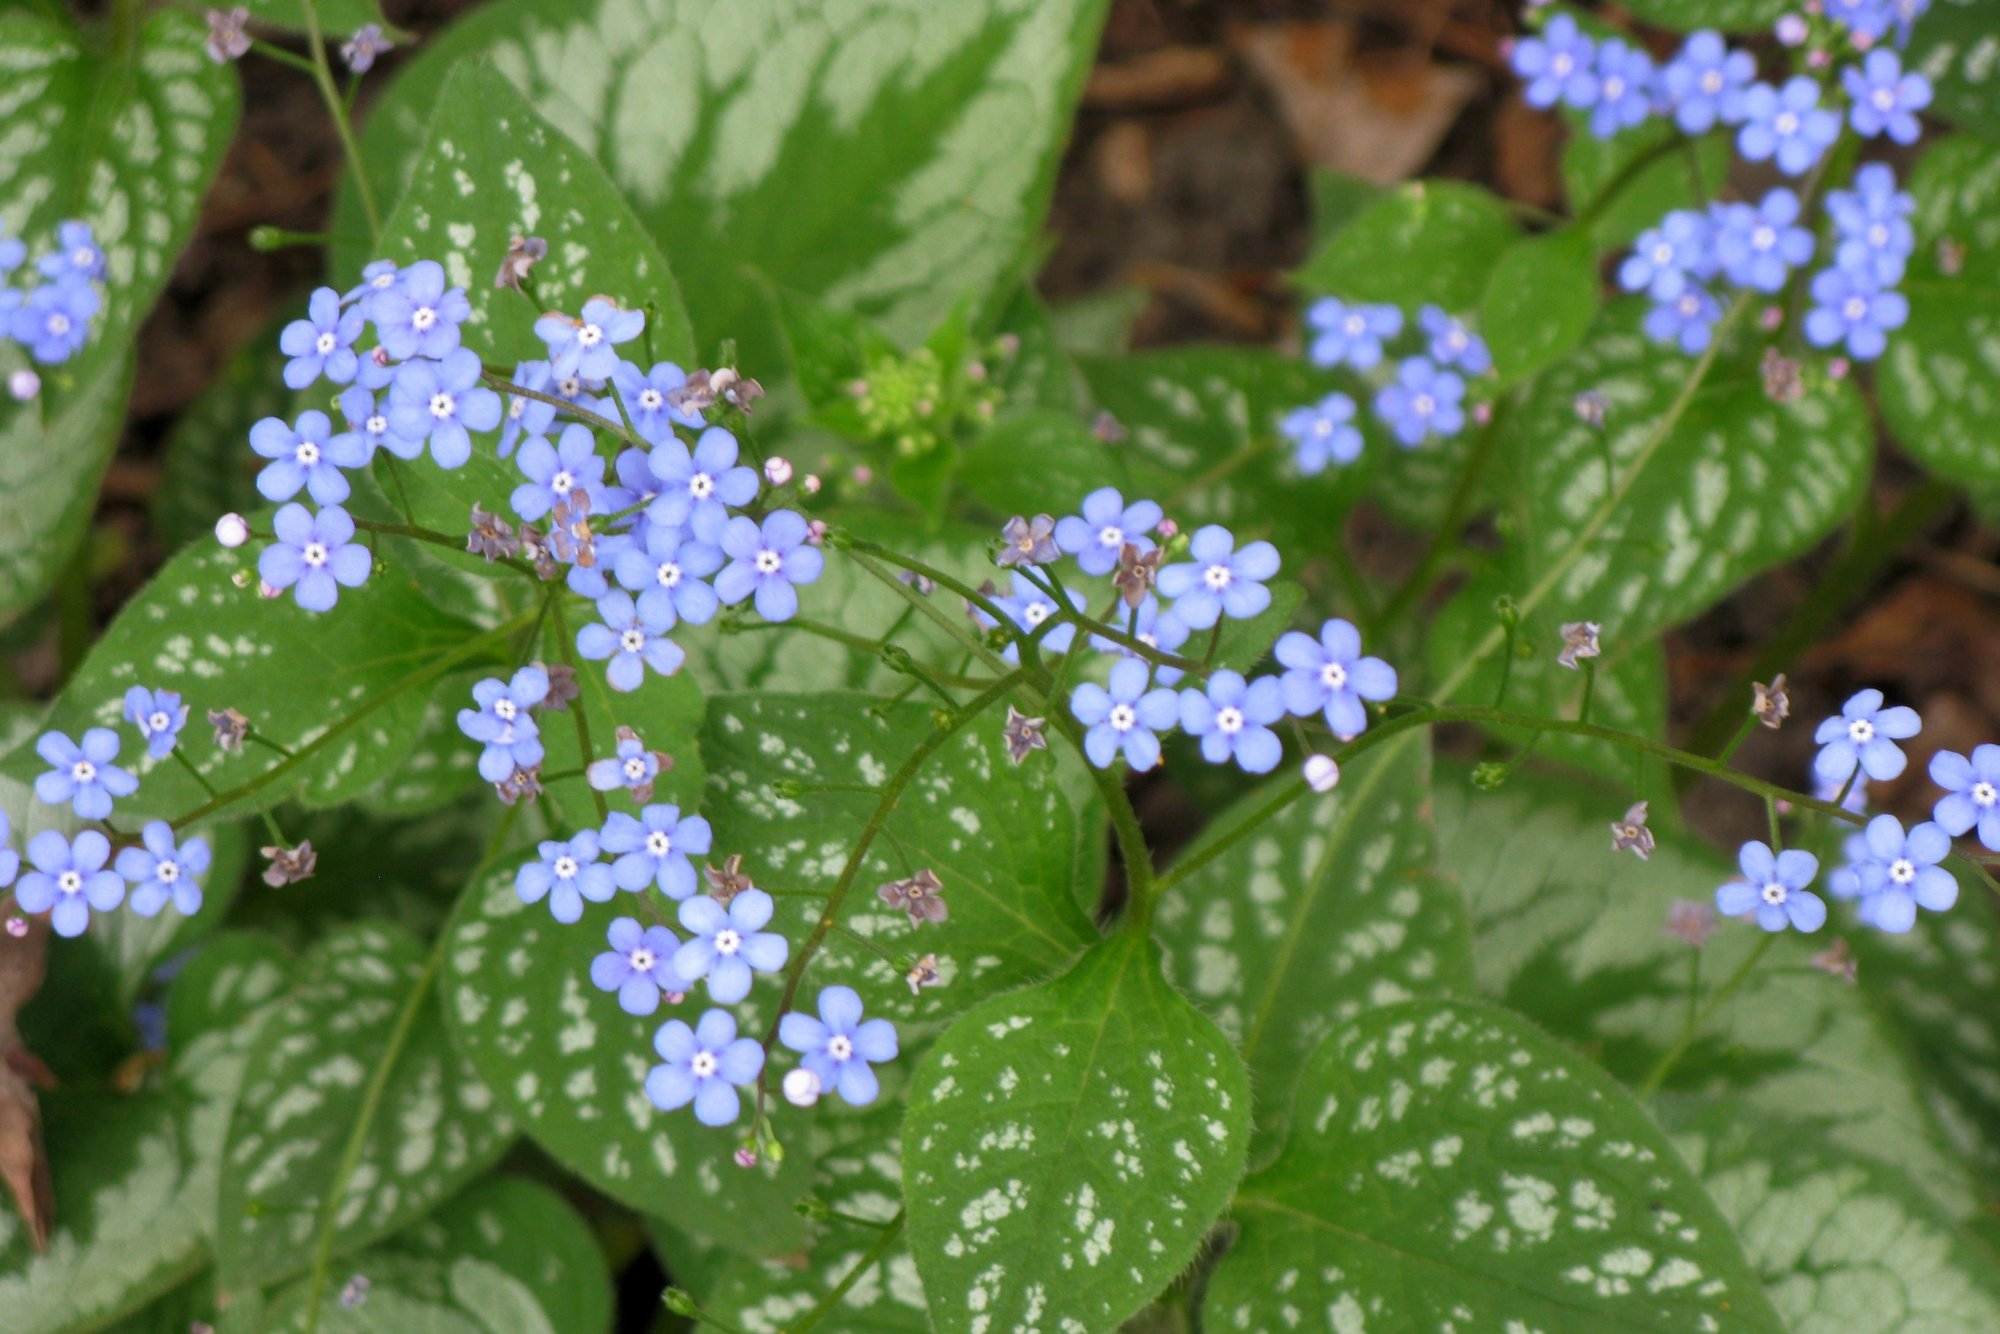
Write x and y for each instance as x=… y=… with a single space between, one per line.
x=1450 y=529
x=585 y=752
x=434 y=538
x=504 y=382
x=1735 y=742
x=890 y=1232
x=1589 y=688
x=323 y=77
x=1665 y=1065
x=1607 y=194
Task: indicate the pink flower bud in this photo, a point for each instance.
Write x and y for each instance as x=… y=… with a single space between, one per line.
x=17 y=927
x=777 y=471
x=816 y=532
x=1168 y=528
x=810 y=484
x=746 y=1157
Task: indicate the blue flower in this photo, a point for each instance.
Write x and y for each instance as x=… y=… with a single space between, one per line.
x=1851 y=308
x=1558 y=65
x=1786 y=123
x=1872 y=19
x=1452 y=344
x=1666 y=258
x=83 y=775
x=315 y=556
x=528 y=416
x=1233 y=720
x=53 y=321
x=1624 y=88
x=377 y=277
x=440 y=401
x=1106 y=524
x=1886 y=100
x=322 y=343
x=1973 y=793
x=1864 y=734
x=553 y=471
x=1323 y=433
x=726 y=944
x=1124 y=718
x=77 y=257
x=630 y=640
x=13 y=252
x=638 y=966
x=1688 y=320
x=1028 y=607
x=162 y=871
x=667 y=570
x=502 y=722
x=1854 y=803
x=1897 y=873
x=567 y=874
x=1705 y=81
x=1350 y=335
x=654 y=848
x=1421 y=401
x=1153 y=626
x=367 y=424
x=416 y=316
x=1759 y=247
x=839 y=1046
x=1329 y=675
x=767 y=561
x=631 y=766
x=1774 y=889
x=307 y=455
x=10 y=860
x=159 y=715
x=647 y=398
x=69 y=878
x=1220 y=579
x=696 y=488
x=703 y=1065
x=1873 y=222
x=587 y=347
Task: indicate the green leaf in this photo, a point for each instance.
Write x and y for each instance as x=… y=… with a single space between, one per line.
x=355 y=1112
x=209 y=469
x=493 y=169
x=1940 y=377
x=345 y=682
x=1728 y=15
x=831 y=349
x=1840 y=1242
x=1243 y=644
x=1426 y=241
x=1953 y=45
x=337 y=18
x=1329 y=909
x=1067 y=1146
x=1571 y=934
x=888 y=160
x=570 y=1066
x=1623 y=185
x=1035 y=461
x=1338 y=197
x=1540 y=301
x=130 y=148
x=1451 y=1163
x=1002 y=839
x=229 y=979
x=135 y=946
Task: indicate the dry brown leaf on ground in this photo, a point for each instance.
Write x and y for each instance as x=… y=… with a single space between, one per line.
x=24 y=1164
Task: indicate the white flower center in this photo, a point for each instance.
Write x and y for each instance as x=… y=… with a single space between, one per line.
x=1885 y=99
x=83 y=771
x=1984 y=794
x=376 y=425
x=58 y=323
x=1217 y=577
x=1878 y=236
x=326 y=343
x=1861 y=731
x=703 y=1065
x=1333 y=676
x=701 y=486
x=641 y=959
x=566 y=867
x=651 y=399
x=307 y=454
x=1111 y=535
x=659 y=843
x=1562 y=65
x=382 y=282
x=1323 y=427
x=728 y=941
x=167 y=872
x=635 y=770
x=158 y=722
x=769 y=561
x=633 y=640
x=1663 y=254
x=1229 y=720
x=1614 y=88
x=1423 y=405
x=569 y=386
x=1035 y=613
x=562 y=482
x=669 y=574
x=83 y=257
x=1355 y=326
x=1711 y=82
x=1122 y=717
x=1689 y=306
x=840 y=1047
x=423 y=318
x=69 y=882
x=443 y=405
x=315 y=554
x=1855 y=308
x=515 y=407
x=1902 y=870
x=1774 y=893
x=1763 y=238
x=1786 y=124
x=504 y=709
x=1456 y=340
x=589 y=336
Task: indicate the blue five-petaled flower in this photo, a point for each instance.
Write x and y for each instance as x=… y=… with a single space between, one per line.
x=1972 y=793
x=638 y=966
x=323 y=342
x=1124 y=718
x=1864 y=734
x=1222 y=579
x=159 y=715
x=766 y=561
x=840 y=1046
x=726 y=944
x=587 y=347
x=83 y=774
x=1321 y=433
x=307 y=455
x=703 y=1065
x=631 y=766
x=162 y=871
x=631 y=641
x=1895 y=873
x=1105 y=525
x=315 y=556
x=1329 y=674
x=567 y=874
x=69 y=880
x=1233 y=719
x=1774 y=888
x=503 y=724
x=653 y=849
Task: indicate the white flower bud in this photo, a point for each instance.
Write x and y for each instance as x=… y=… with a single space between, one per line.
x=1793 y=30
x=777 y=471
x=232 y=530
x=801 y=1087
x=810 y=484
x=1322 y=773
x=24 y=384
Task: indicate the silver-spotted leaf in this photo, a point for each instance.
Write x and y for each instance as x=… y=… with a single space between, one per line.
x=1067 y=1146
x=1451 y=1166
x=1955 y=45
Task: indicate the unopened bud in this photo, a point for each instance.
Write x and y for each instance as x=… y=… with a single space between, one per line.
x=24 y=384
x=864 y=475
x=777 y=471
x=1322 y=773
x=1792 y=30
x=810 y=484
x=679 y=1302
x=801 y=1087
x=266 y=589
x=17 y=927
x=232 y=530
x=1167 y=528
x=816 y=532
x=746 y=1156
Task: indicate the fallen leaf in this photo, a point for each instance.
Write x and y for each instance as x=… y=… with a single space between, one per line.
x=24 y=1163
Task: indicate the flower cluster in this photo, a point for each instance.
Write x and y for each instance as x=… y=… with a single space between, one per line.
x=1419 y=397
x=71 y=877
x=50 y=313
x=1682 y=263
